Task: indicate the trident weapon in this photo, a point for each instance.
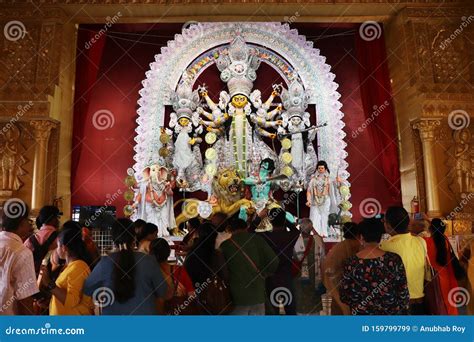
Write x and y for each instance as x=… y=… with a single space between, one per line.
x=283 y=135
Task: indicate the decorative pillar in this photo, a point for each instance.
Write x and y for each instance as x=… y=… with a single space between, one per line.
x=428 y=129
x=42 y=133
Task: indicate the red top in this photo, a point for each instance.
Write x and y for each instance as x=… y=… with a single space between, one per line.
x=447 y=278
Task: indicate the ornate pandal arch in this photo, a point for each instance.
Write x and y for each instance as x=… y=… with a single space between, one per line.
x=165 y=73
x=267 y=56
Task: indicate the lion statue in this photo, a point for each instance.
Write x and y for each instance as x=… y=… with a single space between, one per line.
x=227 y=189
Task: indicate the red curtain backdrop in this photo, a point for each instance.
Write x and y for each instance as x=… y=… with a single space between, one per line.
x=376 y=95
x=103 y=156
x=89 y=57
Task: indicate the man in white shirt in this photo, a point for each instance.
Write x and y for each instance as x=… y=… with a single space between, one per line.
x=17 y=278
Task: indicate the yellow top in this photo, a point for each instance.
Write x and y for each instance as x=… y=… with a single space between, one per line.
x=412 y=250
x=72 y=279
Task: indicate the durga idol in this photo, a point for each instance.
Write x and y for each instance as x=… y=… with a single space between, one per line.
x=240 y=118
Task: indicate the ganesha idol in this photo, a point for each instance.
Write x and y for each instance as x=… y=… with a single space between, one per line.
x=154 y=198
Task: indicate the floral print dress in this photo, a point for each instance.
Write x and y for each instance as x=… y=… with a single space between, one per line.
x=375 y=286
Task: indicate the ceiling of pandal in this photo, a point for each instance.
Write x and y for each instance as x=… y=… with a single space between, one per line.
x=96 y=11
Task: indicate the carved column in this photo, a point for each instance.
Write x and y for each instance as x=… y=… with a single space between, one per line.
x=428 y=129
x=42 y=132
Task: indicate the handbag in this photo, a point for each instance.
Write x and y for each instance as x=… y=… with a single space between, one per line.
x=297 y=264
x=179 y=305
x=215 y=296
x=433 y=299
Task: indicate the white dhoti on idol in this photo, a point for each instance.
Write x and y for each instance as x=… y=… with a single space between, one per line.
x=184 y=158
x=319 y=215
x=160 y=216
x=320 y=202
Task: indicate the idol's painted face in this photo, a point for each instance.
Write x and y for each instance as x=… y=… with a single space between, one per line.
x=183 y=121
x=321 y=169
x=239 y=101
x=295 y=120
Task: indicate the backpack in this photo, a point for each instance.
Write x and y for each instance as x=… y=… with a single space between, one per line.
x=40 y=251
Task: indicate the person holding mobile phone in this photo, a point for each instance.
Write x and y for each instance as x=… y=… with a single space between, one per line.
x=67 y=296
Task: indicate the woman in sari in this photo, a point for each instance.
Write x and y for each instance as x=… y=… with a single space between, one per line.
x=439 y=254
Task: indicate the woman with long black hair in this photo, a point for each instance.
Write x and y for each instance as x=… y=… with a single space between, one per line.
x=126 y=282
x=67 y=296
x=441 y=258
x=201 y=258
